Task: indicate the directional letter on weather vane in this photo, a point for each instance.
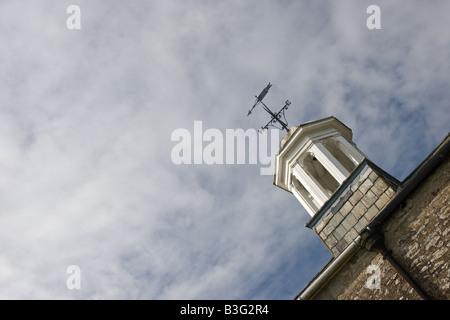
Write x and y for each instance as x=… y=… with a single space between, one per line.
x=275 y=117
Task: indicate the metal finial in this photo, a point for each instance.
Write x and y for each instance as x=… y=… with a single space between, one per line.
x=275 y=117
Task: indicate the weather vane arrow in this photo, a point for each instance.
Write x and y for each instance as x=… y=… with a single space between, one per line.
x=275 y=117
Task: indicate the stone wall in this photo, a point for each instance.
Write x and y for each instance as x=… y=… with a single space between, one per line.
x=359 y=202
x=418 y=234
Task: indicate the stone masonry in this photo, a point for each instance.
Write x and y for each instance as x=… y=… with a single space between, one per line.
x=418 y=234
x=354 y=206
x=415 y=227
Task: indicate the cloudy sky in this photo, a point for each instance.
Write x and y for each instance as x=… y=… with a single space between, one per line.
x=86 y=118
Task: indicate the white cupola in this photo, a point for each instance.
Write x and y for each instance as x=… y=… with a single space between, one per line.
x=314 y=159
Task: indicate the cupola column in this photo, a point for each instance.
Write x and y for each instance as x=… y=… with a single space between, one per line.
x=329 y=162
x=311 y=185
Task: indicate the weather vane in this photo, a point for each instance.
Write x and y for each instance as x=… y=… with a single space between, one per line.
x=276 y=117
